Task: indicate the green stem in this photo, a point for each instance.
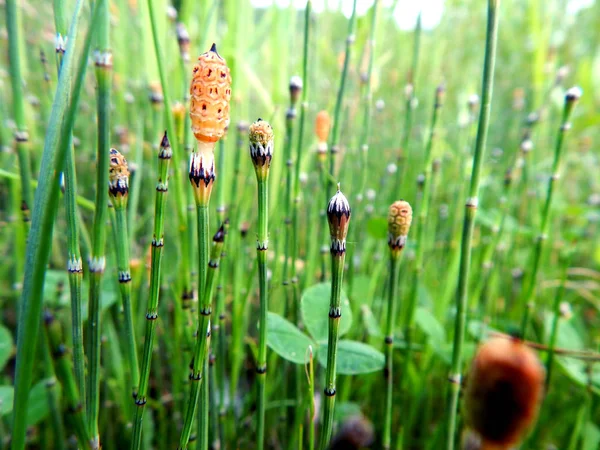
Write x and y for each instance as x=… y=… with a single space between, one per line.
x=469 y=220
x=204 y=313
x=21 y=134
x=122 y=248
x=64 y=373
x=300 y=141
x=44 y=211
x=529 y=297
x=262 y=245
x=337 y=117
x=389 y=349
x=75 y=269
x=368 y=101
x=164 y=159
x=335 y=314
x=410 y=96
x=103 y=62
x=211 y=279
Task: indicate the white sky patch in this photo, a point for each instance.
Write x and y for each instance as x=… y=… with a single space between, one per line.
x=405 y=14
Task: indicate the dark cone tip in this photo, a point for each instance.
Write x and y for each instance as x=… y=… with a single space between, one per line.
x=213 y=48
x=165 y=141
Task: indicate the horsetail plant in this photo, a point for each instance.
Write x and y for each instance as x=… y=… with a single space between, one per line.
x=261 y=152
x=571 y=98
x=74 y=261
x=64 y=373
x=338 y=216
x=164 y=159
x=211 y=280
x=210 y=92
x=469 y=219
x=118 y=191
x=399 y=221
x=103 y=63
x=45 y=206
x=21 y=134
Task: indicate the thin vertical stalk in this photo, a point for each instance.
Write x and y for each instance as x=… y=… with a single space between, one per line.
x=21 y=135
x=162 y=187
x=44 y=211
x=124 y=274
x=389 y=348
x=261 y=152
x=368 y=100
x=300 y=140
x=337 y=117
x=423 y=209
x=469 y=219
x=408 y=111
x=261 y=249
x=103 y=63
x=311 y=399
x=399 y=222
x=529 y=297
x=338 y=215
x=210 y=282
x=64 y=373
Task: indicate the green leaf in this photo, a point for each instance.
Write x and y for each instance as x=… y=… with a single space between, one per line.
x=354 y=358
x=286 y=340
x=315 y=311
x=377 y=227
x=6 y=346
x=7 y=394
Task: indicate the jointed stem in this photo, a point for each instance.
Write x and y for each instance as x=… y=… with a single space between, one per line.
x=98 y=262
x=162 y=187
x=204 y=313
x=469 y=220
x=122 y=248
x=389 y=347
x=335 y=314
x=261 y=248
x=529 y=292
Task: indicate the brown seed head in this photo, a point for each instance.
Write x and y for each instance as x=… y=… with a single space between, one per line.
x=118 y=177
x=504 y=391
x=210 y=92
x=338 y=216
x=399 y=220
